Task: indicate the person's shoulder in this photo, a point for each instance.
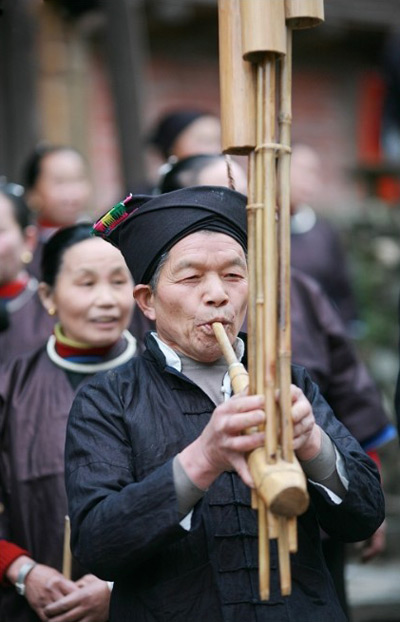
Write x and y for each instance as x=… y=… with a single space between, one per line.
x=27 y=361
x=22 y=371
x=116 y=381
x=299 y=374
x=302 y=379
x=304 y=281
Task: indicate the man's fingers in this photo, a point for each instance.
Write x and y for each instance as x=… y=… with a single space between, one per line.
x=237 y=423
x=242 y=403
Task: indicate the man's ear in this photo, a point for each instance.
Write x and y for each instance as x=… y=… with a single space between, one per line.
x=144 y=297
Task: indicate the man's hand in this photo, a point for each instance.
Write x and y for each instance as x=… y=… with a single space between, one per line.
x=89 y=602
x=223 y=444
x=306 y=432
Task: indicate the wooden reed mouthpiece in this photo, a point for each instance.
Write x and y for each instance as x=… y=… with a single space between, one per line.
x=237 y=372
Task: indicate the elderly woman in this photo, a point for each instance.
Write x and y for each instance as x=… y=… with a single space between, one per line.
x=24 y=324
x=87 y=285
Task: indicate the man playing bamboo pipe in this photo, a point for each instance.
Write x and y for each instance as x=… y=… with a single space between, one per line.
x=156 y=469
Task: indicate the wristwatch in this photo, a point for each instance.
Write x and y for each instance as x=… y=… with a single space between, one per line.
x=21 y=577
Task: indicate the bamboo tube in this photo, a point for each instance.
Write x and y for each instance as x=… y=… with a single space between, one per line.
x=284 y=559
x=237 y=372
x=263 y=28
x=292 y=523
x=283 y=173
x=304 y=13
x=263 y=552
x=67 y=557
x=251 y=260
x=266 y=120
x=236 y=83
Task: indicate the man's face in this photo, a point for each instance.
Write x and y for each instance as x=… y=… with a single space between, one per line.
x=203 y=280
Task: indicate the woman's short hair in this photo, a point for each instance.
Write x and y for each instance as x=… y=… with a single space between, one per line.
x=32 y=168
x=55 y=247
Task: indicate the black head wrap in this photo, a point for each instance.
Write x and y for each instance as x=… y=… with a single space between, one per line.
x=144 y=227
x=171 y=126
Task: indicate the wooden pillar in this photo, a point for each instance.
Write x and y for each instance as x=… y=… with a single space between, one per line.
x=62 y=82
x=125 y=51
x=18 y=105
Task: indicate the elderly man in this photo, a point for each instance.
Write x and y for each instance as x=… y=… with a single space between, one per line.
x=157 y=479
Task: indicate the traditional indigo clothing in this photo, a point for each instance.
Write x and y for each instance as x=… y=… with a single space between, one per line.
x=35 y=398
x=316 y=250
x=124 y=510
x=29 y=324
x=320 y=344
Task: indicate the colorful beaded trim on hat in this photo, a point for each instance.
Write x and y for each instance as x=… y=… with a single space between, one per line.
x=112 y=219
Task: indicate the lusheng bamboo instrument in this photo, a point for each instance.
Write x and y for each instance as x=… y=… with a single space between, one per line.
x=255 y=84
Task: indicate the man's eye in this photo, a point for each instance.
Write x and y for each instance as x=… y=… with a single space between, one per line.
x=233 y=275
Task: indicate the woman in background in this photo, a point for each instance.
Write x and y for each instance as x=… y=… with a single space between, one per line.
x=24 y=323
x=58 y=189
x=86 y=284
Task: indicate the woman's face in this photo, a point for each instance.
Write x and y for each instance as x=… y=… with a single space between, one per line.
x=92 y=295
x=201 y=136
x=13 y=242
x=62 y=190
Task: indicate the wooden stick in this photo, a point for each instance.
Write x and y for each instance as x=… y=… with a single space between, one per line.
x=283 y=554
x=237 y=372
x=284 y=333
x=67 y=557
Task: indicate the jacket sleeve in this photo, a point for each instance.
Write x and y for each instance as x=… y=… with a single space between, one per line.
x=362 y=509
x=116 y=521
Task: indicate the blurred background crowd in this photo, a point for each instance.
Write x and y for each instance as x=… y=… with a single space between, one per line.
x=96 y=99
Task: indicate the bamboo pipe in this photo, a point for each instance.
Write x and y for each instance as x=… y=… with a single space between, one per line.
x=237 y=371
x=67 y=557
x=260 y=48
x=299 y=14
x=263 y=29
x=283 y=199
x=236 y=83
x=304 y=13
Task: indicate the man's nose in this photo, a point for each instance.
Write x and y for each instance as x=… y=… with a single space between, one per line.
x=215 y=291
